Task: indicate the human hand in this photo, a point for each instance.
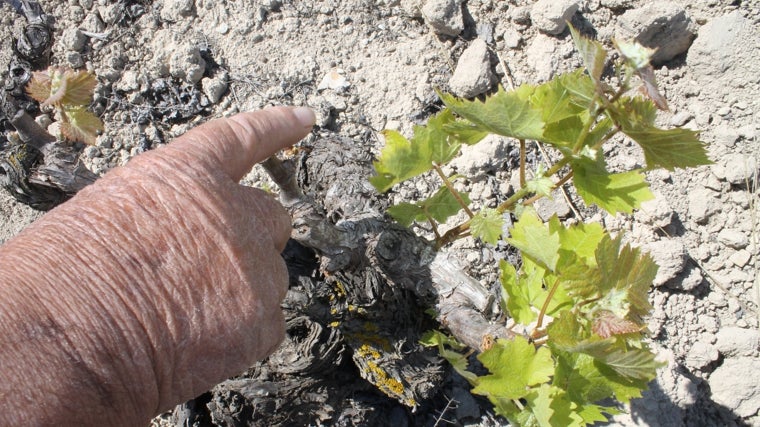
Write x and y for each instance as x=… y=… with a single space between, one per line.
x=151 y=285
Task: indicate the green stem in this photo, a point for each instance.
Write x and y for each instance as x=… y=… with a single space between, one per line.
x=549 y=297
x=453 y=190
x=522 y=163
x=587 y=126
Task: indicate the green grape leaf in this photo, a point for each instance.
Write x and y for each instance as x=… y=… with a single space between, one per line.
x=535 y=240
x=515 y=365
x=399 y=161
x=80 y=125
x=541 y=184
x=616 y=192
x=563 y=133
x=581 y=87
x=487 y=225
x=552 y=407
x=504 y=113
x=555 y=101
x=442 y=205
x=593 y=53
x=521 y=293
x=633 y=364
x=670 y=148
x=465 y=131
x=457 y=360
x=587 y=380
x=433 y=135
x=406 y=213
x=627 y=270
x=582 y=240
x=634 y=53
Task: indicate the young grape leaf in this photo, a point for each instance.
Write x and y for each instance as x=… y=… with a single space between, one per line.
x=563 y=133
x=625 y=269
x=593 y=53
x=634 y=53
x=442 y=148
x=670 y=148
x=39 y=86
x=582 y=240
x=633 y=364
x=555 y=101
x=504 y=113
x=515 y=365
x=535 y=240
x=440 y=206
x=540 y=185
x=607 y=324
x=552 y=407
x=587 y=380
x=465 y=131
x=406 y=213
x=79 y=87
x=487 y=225
x=80 y=125
x=399 y=161
x=581 y=87
x=618 y=192
x=457 y=360
x=521 y=292
x=649 y=88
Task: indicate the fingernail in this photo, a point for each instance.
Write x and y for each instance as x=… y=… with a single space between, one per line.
x=305 y=116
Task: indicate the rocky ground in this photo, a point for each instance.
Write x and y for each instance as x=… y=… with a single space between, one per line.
x=165 y=66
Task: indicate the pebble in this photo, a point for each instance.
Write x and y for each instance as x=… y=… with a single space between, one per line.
x=661 y=25
x=740 y=258
x=473 y=75
x=739 y=168
x=736 y=385
x=702 y=205
x=215 y=87
x=542 y=57
x=681 y=118
x=701 y=355
x=546 y=208
x=174 y=10
x=735 y=341
x=445 y=16
x=187 y=64
x=670 y=256
x=551 y=16
x=656 y=212
x=482 y=157
x=93 y=23
x=733 y=238
x=512 y=38
x=721 y=44
x=335 y=79
x=73 y=39
x=75 y=59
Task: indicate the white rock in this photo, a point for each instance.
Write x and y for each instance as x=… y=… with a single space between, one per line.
x=550 y=16
x=701 y=355
x=128 y=82
x=473 y=75
x=661 y=25
x=735 y=341
x=656 y=212
x=740 y=168
x=335 y=79
x=73 y=39
x=481 y=157
x=174 y=10
x=512 y=38
x=670 y=256
x=702 y=205
x=721 y=44
x=214 y=88
x=733 y=238
x=445 y=16
x=187 y=64
x=542 y=56
x=736 y=385
x=740 y=258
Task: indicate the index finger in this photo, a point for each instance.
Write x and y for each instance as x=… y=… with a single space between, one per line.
x=239 y=142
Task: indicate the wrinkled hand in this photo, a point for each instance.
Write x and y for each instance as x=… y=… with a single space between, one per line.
x=151 y=285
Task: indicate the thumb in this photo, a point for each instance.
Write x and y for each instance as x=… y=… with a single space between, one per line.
x=237 y=143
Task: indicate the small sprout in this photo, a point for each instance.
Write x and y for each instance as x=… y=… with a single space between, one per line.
x=69 y=92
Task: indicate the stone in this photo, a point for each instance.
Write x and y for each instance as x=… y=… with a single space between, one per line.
x=445 y=16
x=546 y=208
x=721 y=44
x=702 y=205
x=473 y=75
x=73 y=39
x=656 y=212
x=186 y=63
x=670 y=256
x=740 y=258
x=739 y=168
x=214 y=88
x=735 y=341
x=733 y=238
x=736 y=385
x=681 y=118
x=701 y=355
x=661 y=25
x=93 y=23
x=174 y=10
x=551 y=16
x=482 y=157
x=335 y=79
x=512 y=38
x=542 y=56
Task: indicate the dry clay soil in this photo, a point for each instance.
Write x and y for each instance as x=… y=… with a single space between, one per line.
x=367 y=65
